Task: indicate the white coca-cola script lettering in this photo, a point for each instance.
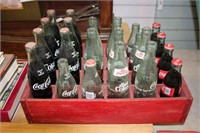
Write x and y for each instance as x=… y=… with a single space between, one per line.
x=74 y=68
x=70 y=93
x=122 y=87
x=42 y=86
x=50 y=66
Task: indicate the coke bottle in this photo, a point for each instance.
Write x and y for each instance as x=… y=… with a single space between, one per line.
x=67 y=51
x=66 y=84
x=117 y=21
x=51 y=13
x=92 y=51
x=94 y=24
x=92 y=84
x=147 y=31
x=118 y=75
x=173 y=80
x=155 y=30
x=44 y=54
x=38 y=77
x=71 y=13
x=161 y=36
x=132 y=38
x=134 y=49
x=139 y=55
x=146 y=77
x=78 y=47
x=50 y=39
x=164 y=63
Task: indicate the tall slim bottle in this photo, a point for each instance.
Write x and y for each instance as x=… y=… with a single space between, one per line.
x=38 y=77
x=44 y=54
x=155 y=30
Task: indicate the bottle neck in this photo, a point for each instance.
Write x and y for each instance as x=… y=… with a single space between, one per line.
x=137 y=41
x=63 y=72
x=65 y=39
x=143 y=44
x=155 y=30
x=31 y=56
x=70 y=26
x=177 y=68
x=39 y=39
x=169 y=52
x=47 y=29
x=91 y=70
x=120 y=53
x=161 y=41
x=53 y=19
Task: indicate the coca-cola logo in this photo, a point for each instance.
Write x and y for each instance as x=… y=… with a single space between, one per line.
x=74 y=54
x=74 y=68
x=139 y=54
x=42 y=86
x=122 y=87
x=162 y=74
x=70 y=93
x=50 y=66
x=121 y=72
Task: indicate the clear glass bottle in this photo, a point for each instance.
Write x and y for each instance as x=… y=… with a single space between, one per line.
x=92 y=51
x=50 y=39
x=67 y=51
x=93 y=23
x=78 y=47
x=118 y=75
x=173 y=80
x=133 y=51
x=139 y=55
x=117 y=21
x=92 y=84
x=146 y=77
x=164 y=63
x=155 y=30
x=147 y=31
x=161 y=36
x=71 y=13
x=118 y=40
x=38 y=77
x=66 y=84
x=132 y=38
x=44 y=54
x=51 y=14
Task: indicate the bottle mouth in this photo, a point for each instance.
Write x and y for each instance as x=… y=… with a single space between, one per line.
x=37 y=30
x=30 y=45
x=177 y=62
x=68 y=19
x=44 y=20
x=90 y=63
x=70 y=11
x=156 y=25
x=161 y=35
x=50 y=11
x=64 y=30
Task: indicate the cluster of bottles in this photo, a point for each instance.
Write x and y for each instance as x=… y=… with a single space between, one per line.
x=60 y=48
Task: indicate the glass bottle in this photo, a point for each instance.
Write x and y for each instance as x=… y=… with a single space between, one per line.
x=38 y=77
x=71 y=13
x=92 y=51
x=139 y=55
x=94 y=24
x=51 y=13
x=155 y=30
x=132 y=38
x=173 y=80
x=78 y=47
x=67 y=51
x=146 y=77
x=161 y=36
x=118 y=75
x=118 y=40
x=50 y=39
x=66 y=84
x=164 y=63
x=44 y=54
x=133 y=51
x=147 y=31
x=92 y=84
x=117 y=21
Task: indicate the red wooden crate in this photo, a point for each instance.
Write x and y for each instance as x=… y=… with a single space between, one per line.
x=155 y=110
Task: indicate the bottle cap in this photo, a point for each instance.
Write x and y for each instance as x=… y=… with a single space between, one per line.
x=169 y=46
x=51 y=11
x=64 y=30
x=44 y=20
x=156 y=25
x=70 y=11
x=90 y=63
x=68 y=19
x=177 y=62
x=161 y=35
x=30 y=45
x=37 y=30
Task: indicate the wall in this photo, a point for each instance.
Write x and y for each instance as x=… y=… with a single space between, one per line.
x=178 y=18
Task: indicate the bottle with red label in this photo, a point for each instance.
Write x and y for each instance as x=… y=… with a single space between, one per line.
x=161 y=36
x=164 y=63
x=66 y=84
x=67 y=51
x=38 y=77
x=118 y=75
x=50 y=39
x=132 y=38
x=44 y=54
x=173 y=80
x=139 y=55
x=155 y=30
x=146 y=77
x=51 y=13
x=92 y=84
